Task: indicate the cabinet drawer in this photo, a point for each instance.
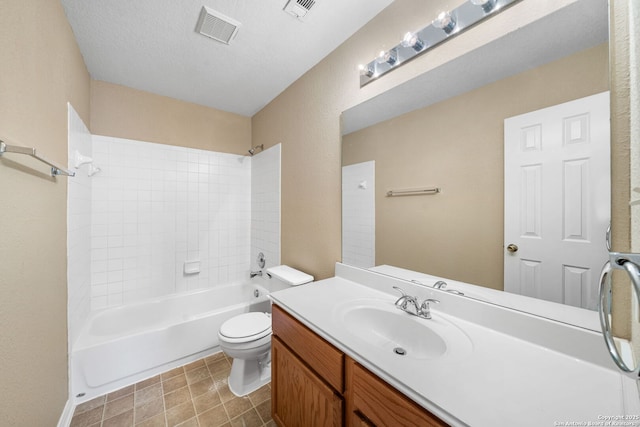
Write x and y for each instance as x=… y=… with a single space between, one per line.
x=381 y=404
x=322 y=357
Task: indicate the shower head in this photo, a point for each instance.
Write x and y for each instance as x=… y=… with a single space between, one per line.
x=252 y=151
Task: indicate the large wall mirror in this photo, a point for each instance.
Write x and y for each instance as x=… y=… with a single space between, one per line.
x=446 y=129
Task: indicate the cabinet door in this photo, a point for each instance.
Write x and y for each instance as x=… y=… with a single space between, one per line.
x=381 y=405
x=299 y=397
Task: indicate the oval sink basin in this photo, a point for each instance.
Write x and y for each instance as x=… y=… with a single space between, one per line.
x=380 y=324
x=392 y=331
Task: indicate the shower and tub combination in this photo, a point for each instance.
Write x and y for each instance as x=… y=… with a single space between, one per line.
x=123 y=345
x=160 y=245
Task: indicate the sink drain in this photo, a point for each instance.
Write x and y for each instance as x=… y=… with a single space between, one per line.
x=400 y=351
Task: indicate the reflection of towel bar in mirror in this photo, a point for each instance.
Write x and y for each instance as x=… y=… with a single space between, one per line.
x=55 y=169
x=414 y=191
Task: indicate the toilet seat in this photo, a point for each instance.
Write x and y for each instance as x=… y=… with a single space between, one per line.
x=246 y=327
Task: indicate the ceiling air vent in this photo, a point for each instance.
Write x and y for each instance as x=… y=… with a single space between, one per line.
x=214 y=24
x=299 y=8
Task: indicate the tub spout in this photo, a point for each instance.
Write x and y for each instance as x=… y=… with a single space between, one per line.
x=255 y=273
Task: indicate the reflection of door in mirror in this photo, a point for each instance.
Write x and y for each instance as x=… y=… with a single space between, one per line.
x=557 y=199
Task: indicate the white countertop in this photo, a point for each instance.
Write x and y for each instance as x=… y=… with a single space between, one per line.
x=503 y=380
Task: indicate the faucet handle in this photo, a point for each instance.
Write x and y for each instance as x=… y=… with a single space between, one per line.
x=440 y=284
x=426 y=302
x=403 y=300
x=425 y=310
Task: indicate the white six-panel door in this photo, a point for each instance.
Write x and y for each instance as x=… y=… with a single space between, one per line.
x=557 y=200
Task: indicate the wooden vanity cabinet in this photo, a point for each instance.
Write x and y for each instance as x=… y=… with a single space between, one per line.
x=315 y=384
x=307 y=376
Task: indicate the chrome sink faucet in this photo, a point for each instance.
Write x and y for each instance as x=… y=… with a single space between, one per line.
x=405 y=302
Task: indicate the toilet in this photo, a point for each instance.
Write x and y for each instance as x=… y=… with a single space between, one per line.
x=247 y=337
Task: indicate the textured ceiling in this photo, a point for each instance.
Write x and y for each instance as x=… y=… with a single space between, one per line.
x=152 y=45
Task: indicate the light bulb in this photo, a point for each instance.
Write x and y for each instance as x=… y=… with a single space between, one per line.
x=367 y=70
x=445 y=21
x=390 y=57
x=413 y=41
x=487 y=5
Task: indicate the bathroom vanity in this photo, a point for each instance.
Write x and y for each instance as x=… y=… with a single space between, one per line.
x=314 y=383
x=343 y=354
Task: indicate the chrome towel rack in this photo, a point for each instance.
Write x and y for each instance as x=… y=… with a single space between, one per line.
x=55 y=169
x=414 y=191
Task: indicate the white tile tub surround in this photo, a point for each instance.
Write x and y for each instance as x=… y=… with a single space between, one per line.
x=157 y=206
x=265 y=206
x=78 y=228
x=359 y=215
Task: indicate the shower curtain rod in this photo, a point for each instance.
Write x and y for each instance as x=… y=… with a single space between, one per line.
x=55 y=169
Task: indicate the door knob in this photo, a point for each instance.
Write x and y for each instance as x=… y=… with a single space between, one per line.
x=512 y=248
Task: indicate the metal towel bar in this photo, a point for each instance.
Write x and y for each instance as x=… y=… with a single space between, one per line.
x=414 y=191
x=55 y=169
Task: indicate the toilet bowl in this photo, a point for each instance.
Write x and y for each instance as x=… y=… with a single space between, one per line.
x=246 y=338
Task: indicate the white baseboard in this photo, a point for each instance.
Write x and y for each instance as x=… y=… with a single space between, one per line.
x=67 y=414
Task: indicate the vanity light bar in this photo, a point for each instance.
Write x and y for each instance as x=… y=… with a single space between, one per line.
x=445 y=25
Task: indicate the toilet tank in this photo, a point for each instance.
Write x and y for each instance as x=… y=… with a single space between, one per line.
x=283 y=276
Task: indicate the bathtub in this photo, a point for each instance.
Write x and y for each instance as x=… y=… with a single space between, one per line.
x=123 y=345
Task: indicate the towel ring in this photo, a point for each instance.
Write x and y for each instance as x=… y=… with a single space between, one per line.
x=604 y=306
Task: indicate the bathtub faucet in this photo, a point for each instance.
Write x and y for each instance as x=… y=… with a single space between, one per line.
x=255 y=273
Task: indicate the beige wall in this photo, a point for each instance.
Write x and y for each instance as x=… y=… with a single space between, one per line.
x=623 y=119
x=123 y=112
x=305 y=118
x=42 y=70
x=458 y=145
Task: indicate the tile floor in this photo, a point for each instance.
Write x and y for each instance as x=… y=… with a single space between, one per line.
x=194 y=395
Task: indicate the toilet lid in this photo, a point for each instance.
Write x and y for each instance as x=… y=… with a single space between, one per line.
x=255 y=325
